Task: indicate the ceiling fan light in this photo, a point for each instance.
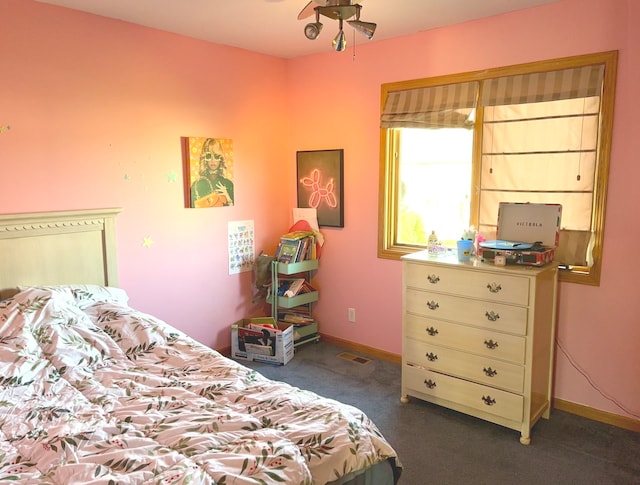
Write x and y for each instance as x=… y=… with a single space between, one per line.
x=312 y=30
x=366 y=28
x=340 y=42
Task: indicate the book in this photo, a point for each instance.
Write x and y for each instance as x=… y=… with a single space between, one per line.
x=296 y=246
x=295 y=235
x=250 y=340
x=261 y=327
x=297 y=318
x=294 y=287
x=246 y=332
x=296 y=313
x=304 y=250
x=283 y=285
x=258 y=339
x=291 y=287
x=313 y=248
x=306 y=287
x=288 y=251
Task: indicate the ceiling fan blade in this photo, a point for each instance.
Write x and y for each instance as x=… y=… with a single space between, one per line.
x=308 y=11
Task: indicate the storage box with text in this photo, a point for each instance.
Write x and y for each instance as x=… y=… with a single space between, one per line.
x=260 y=339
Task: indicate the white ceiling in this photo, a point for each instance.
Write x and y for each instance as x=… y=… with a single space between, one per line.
x=271 y=26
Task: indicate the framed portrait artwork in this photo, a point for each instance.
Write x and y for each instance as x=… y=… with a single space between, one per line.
x=320 y=184
x=208 y=172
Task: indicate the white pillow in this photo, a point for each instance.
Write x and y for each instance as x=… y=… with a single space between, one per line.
x=87 y=295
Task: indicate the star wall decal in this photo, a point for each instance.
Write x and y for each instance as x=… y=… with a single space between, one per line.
x=172 y=177
x=147 y=242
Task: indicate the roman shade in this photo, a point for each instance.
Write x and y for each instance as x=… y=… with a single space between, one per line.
x=449 y=106
x=539 y=143
x=538 y=87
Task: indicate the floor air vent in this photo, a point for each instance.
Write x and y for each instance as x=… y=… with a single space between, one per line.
x=354 y=358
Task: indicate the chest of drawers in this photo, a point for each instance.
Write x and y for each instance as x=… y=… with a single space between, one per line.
x=479 y=338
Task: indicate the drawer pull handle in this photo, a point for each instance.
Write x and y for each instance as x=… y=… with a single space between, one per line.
x=433 y=279
x=432 y=331
x=488 y=400
x=490 y=372
x=491 y=344
x=494 y=287
x=433 y=305
x=430 y=384
x=431 y=356
x=492 y=316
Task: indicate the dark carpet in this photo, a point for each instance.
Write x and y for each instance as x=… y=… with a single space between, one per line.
x=440 y=446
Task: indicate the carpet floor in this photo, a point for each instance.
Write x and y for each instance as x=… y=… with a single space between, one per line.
x=440 y=446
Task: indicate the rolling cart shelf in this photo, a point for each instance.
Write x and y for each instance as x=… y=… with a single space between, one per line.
x=303 y=333
x=295 y=268
x=298 y=300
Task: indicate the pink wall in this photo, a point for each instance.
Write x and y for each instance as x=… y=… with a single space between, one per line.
x=97 y=109
x=92 y=100
x=598 y=326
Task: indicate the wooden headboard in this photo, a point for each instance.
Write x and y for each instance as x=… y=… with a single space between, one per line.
x=55 y=248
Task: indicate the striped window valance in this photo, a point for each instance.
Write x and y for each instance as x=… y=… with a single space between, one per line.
x=579 y=82
x=431 y=107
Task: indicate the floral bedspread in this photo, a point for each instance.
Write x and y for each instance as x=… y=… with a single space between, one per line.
x=93 y=391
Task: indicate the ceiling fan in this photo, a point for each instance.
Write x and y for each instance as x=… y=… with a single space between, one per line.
x=340 y=10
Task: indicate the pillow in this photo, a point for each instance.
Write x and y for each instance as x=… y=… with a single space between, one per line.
x=87 y=295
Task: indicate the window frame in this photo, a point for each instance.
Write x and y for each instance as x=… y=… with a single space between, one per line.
x=388 y=248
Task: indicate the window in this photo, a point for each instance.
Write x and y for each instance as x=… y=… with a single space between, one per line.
x=430 y=156
x=453 y=147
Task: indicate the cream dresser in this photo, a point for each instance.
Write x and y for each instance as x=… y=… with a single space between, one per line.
x=479 y=338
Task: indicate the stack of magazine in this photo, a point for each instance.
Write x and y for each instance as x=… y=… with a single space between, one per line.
x=296 y=246
x=258 y=338
x=297 y=317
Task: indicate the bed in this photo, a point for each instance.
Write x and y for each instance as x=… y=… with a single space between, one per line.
x=95 y=391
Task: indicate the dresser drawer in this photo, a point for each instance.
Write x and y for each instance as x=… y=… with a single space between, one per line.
x=460 y=391
x=486 y=314
x=469 y=366
x=468 y=282
x=484 y=342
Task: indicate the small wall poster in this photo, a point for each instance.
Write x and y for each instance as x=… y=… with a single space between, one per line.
x=242 y=251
